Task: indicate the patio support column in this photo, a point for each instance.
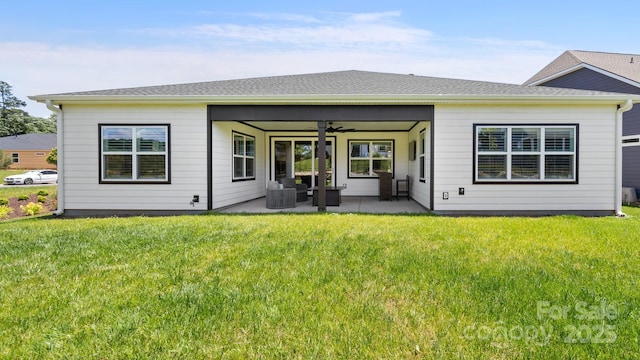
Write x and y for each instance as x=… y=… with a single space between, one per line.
x=322 y=167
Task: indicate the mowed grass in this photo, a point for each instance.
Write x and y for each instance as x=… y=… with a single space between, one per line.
x=320 y=286
x=7 y=172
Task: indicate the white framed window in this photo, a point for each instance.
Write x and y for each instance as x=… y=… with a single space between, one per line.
x=368 y=157
x=134 y=153
x=15 y=158
x=244 y=157
x=525 y=153
x=421 y=153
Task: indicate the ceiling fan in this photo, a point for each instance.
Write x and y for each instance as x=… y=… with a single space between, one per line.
x=330 y=129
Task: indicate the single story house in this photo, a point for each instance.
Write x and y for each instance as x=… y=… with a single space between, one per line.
x=601 y=71
x=469 y=147
x=28 y=151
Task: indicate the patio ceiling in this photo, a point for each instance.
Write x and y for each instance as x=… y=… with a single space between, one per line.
x=366 y=126
x=307 y=117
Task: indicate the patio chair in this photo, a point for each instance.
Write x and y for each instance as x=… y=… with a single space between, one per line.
x=280 y=197
x=403 y=188
x=301 y=189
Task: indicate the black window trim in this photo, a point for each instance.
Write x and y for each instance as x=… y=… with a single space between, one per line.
x=134 y=182
x=253 y=178
x=517 y=182
x=393 y=157
x=423 y=155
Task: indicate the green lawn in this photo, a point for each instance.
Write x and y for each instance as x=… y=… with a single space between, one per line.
x=7 y=172
x=320 y=286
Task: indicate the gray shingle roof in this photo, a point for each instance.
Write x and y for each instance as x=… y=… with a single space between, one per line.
x=618 y=64
x=340 y=83
x=28 y=142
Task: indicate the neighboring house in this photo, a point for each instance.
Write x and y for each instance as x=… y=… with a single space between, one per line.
x=481 y=147
x=601 y=71
x=28 y=151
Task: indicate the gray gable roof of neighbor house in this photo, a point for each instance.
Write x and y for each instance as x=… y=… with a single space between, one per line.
x=336 y=84
x=28 y=142
x=624 y=65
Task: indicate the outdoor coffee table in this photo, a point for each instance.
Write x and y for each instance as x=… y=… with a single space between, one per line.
x=333 y=195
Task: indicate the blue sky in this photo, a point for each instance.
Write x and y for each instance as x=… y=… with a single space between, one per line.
x=62 y=46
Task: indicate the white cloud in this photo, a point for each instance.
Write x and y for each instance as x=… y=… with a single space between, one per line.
x=227 y=51
x=286 y=17
x=375 y=16
x=511 y=43
x=317 y=36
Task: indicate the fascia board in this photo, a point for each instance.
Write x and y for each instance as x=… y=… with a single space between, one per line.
x=334 y=99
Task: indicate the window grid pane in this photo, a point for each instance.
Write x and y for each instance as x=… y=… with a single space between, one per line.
x=117 y=139
x=249 y=168
x=360 y=168
x=250 y=148
x=117 y=167
x=359 y=150
x=238 y=145
x=151 y=167
x=383 y=165
x=525 y=140
x=525 y=167
x=492 y=139
x=492 y=167
x=559 y=139
x=151 y=139
x=558 y=167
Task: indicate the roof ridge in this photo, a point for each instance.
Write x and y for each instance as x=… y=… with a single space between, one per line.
x=604 y=52
x=575 y=56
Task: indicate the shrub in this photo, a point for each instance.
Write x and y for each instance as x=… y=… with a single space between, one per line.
x=4 y=201
x=5 y=211
x=5 y=161
x=43 y=193
x=42 y=199
x=23 y=197
x=52 y=158
x=31 y=208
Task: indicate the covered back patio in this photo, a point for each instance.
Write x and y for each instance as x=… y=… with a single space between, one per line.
x=350 y=204
x=360 y=142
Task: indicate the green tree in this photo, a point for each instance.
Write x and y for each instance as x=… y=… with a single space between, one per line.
x=5 y=160
x=52 y=158
x=8 y=102
x=15 y=121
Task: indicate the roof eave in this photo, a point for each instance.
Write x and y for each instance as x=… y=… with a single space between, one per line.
x=335 y=99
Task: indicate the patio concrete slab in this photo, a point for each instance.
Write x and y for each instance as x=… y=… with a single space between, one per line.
x=350 y=204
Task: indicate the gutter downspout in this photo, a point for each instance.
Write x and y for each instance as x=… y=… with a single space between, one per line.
x=60 y=147
x=618 y=185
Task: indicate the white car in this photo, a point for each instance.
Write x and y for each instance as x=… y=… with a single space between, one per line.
x=33 y=177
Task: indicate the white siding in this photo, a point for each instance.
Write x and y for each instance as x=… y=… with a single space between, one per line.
x=453 y=162
x=188 y=144
x=226 y=191
x=420 y=191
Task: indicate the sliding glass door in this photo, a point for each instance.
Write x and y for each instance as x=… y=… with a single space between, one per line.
x=298 y=158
